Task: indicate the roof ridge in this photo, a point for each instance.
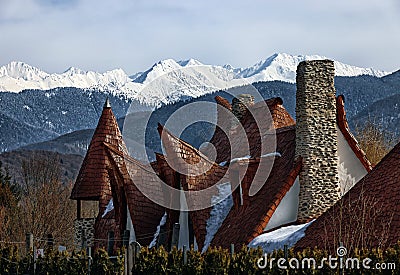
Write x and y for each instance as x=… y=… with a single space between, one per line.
x=162 y=128
x=127 y=157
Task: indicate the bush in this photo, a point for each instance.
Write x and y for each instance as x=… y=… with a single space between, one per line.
x=159 y=261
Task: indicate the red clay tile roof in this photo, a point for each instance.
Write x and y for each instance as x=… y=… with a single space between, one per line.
x=249 y=220
x=220 y=139
x=351 y=140
x=132 y=175
x=101 y=228
x=231 y=143
x=184 y=156
x=223 y=102
x=104 y=174
x=93 y=178
x=367 y=216
x=171 y=178
x=107 y=169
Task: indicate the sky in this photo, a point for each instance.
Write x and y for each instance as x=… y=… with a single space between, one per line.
x=102 y=35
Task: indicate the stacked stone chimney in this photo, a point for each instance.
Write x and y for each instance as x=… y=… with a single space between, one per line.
x=240 y=103
x=316 y=138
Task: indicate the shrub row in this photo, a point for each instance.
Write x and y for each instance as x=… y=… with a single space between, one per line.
x=246 y=261
x=214 y=261
x=59 y=263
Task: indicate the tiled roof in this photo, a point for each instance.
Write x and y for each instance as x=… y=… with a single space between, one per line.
x=108 y=170
x=367 y=216
x=249 y=220
x=101 y=228
x=104 y=174
x=184 y=156
x=351 y=140
x=93 y=179
x=246 y=222
x=132 y=175
x=172 y=179
x=254 y=122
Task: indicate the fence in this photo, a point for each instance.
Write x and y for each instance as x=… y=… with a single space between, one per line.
x=136 y=259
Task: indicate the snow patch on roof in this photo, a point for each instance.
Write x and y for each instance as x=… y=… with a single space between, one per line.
x=241 y=158
x=109 y=207
x=223 y=203
x=162 y=222
x=276 y=239
x=274 y=154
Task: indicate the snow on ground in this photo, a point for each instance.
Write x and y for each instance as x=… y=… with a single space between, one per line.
x=162 y=222
x=276 y=239
x=222 y=205
x=109 y=207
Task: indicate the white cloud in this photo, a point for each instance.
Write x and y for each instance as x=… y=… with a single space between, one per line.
x=133 y=34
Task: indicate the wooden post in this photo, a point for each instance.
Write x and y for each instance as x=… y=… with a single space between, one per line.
x=125 y=238
x=89 y=259
x=29 y=242
x=78 y=209
x=232 y=250
x=125 y=243
x=136 y=251
x=126 y=264
x=184 y=255
x=130 y=260
x=83 y=239
x=110 y=243
x=191 y=231
x=285 y=251
x=175 y=235
x=50 y=241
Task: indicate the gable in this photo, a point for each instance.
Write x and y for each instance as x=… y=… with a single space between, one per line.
x=368 y=215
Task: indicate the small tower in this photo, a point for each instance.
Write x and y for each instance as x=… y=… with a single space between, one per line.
x=93 y=181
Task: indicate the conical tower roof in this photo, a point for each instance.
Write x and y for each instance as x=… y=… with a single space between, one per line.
x=93 y=180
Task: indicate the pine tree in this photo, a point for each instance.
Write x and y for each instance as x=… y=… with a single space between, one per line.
x=9 y=197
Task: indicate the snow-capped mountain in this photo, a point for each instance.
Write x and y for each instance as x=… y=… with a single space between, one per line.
x=168 y=80
x=283 y=66
x=18 y=76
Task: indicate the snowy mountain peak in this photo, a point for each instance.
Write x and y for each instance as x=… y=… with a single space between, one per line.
x=165 y=65
x=189 y=62
x=282 y=66
x=157 y=85
x=73 y=70
x=21 y=70
x=18 y=76
x=158 y=69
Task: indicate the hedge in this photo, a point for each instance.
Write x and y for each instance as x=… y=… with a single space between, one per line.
x=159 y=261
x=59 y=263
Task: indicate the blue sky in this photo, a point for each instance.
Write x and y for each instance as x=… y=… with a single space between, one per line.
x=102 y=35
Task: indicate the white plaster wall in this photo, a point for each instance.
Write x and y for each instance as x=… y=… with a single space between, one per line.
x=286 y=211
x=129 y=226
x=184 y=224
x=349 y=166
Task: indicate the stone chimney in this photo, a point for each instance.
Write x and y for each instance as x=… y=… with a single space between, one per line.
x=240 y=103
x=316 y=138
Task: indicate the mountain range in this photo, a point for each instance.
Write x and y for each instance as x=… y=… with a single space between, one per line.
x=167 y=81
x=58 y=112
